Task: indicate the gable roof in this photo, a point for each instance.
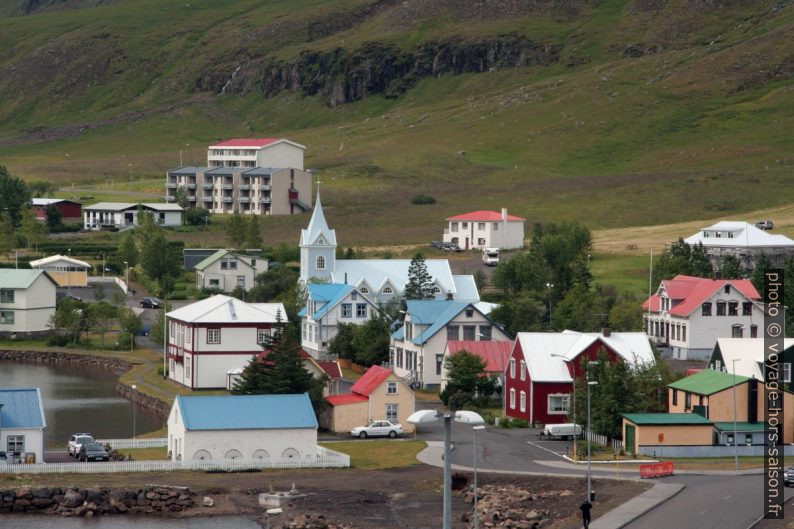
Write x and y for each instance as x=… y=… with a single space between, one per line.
x=226 y=309
x=246 y=412
x=47 y=201
x=207 y=261
x=666 y=418
x=254 y=142
x=121 y=206
x=495 y=353
x=466 y=288
x=370 y=380
x=331 y=368
x=378 y=272
x=693 y=291
x=707 y=382
x=317 y=227
x=21 y=278
x=327 y=296
x=55 y=258
x=345 y=398
x=21 y=408
x=738 y=235
x=432 y=315
x=740 y=426
x=749 y=353
x=485 y=216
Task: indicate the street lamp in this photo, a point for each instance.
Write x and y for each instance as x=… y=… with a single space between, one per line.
x=127 y=274
x=549 y=286
x=134 y=415
x=68 y=272
x=272 y=512
x=475 y=430
x=589 y=486
x=575 y=433
x=462 y=416
x=735 y=444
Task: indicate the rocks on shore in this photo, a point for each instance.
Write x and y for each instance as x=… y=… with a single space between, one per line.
x=312 y=521
x=88 y=502
x=511 y=507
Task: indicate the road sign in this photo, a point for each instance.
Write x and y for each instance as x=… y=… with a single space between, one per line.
x=661 y=438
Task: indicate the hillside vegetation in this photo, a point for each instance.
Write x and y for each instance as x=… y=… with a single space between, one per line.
x=612 y=112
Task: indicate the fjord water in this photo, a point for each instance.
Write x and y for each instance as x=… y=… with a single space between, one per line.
x=79 y=399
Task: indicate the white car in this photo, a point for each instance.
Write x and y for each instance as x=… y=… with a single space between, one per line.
x=77 y=441
x=377 y=428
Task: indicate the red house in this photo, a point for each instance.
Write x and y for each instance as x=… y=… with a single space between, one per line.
x=69 y=210
x=540 y=372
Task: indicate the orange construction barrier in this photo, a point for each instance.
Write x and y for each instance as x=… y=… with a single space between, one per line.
x=657 y=470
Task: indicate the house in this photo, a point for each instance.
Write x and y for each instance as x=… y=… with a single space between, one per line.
x=327 y=306
x=749 y=358
x=378 y=395
x=688 y=314
x=274 y=427
x=666 y=434
x=22 y=425
x=70 y=210
x=66 y=271
x=227 y=270
x=417 y=348
x=249 y=176
x=539 y=377
x=485 y=229
x=495 y=354
x=27 y=302
x=123 y=215
x=743 y=241
x=381 y=280
x=208 y=338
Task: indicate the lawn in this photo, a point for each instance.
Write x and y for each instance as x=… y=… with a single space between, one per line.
x=377 y=455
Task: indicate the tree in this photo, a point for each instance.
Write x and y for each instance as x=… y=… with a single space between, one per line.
x=181 y=197
x=33 y=230
x=420 y=282
x=626 y=315
x=236 y=231
x=66 y=324
x=480 y=279
x=731 y=268
x=131 y=324
x=341 y=345
x=41 y=188
x=524 y=313
x=101 y=317
x=14 y=196
x=52 y=216
x=681 y=258
x=467 y=380
x=582 y=309
x=158 y=258
x=757 y=277
x=128 y=250
x=99 y=292
x=253 y=237
x=196 y=216
x=371 y=340
x=524 y=272
x=7 y=236
x=271 y=284
x=159 y=326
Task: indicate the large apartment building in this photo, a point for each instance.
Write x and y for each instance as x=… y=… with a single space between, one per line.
x=248 y=176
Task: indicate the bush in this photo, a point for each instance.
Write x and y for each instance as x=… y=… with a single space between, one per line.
x=57 y=339
x=422 y=200
x=66 y=228
x=509 y=422
x=178 y=295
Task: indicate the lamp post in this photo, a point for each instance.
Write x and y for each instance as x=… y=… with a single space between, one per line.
x=735 y=443
x=575 y=433
x=127 y=274
x=462 y=416
x=134 y=415
x=272 y=512
x=475 y=430
x=549 y=286
x=68 y=272
x=589 y=485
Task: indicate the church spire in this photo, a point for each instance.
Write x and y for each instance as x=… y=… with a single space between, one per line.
x=318 y=227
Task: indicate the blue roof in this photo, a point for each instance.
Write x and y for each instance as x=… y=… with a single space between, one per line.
x=247 y=412
x=433 y=315
x=21 y=408
x=327 y=295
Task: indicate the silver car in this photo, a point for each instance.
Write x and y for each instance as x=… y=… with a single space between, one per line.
x=376 y=429
x=77 y=441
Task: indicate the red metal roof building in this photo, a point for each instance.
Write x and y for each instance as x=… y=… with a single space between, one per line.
x=69 y=209
x=485 y=229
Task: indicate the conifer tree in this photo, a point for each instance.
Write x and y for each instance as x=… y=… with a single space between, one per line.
x=420 y=282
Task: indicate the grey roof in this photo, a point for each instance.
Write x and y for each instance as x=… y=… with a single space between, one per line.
x=262 y=171
x=21 y=279
x=47 y=201
x=223 y=171
x=187 y=170
x=121 y=206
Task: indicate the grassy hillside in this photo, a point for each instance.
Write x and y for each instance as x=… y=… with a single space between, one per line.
x=648 y=112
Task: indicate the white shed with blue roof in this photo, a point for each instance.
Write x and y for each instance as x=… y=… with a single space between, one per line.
x=271 y=427
x=22 y=424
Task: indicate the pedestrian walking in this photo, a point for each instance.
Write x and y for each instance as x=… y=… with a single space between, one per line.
x=585 y=508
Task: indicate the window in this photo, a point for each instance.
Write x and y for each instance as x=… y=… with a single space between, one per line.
x=787 y=372
x=675 y=397
x=16 y=443
x=464 y=225
x=347 y=310
x=387 y=290
x=687 y=400
x=364 y=290
x=188 y=334
x=436 y=290
x=495 y=226
x=392 y=413
x=522 y=402
x=303 y=330
x=720 y=308
x=7 y=316
x=6 y=296
x=439 y=362
x=214 y=282
x=513 y=398
x=452 y=332
x=469 y=313
x=683 y=333
x=409 y=330
x=480 y=241
x=717 y=365
x=730 y=438
x=481 y=226
x=523 y=370
x=399 y=357
x=727 y=289
x=558 y=404
x=241 y=281
x=733 y=308
x=213 y=335
x=485 y=332
x=753 y=331
x=171 y=365
x=391 y=388
x=320 y=262
x=748 y=438
x=747 y=308
x=361 y=310
x=262 y=335
x=187 y=367
x=353 y=296
x=706 y=309
x=454 y=226
x=737 y=331
x=512 y=368
x=469 y=332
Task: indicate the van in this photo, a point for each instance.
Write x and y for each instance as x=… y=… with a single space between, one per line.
x=490 y=256
x=559 y=431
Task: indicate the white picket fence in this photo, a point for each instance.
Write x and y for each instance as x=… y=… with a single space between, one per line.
x=140 y=442
x=324 y=458
x=603 y=440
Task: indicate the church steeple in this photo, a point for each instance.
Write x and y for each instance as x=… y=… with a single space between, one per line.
x=318 y=246
x=318 y=227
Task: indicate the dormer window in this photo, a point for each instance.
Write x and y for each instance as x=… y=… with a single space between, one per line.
x=727 y=289
x=320 y=242
x=387 y=290
x=436 y=290
x=364 y=290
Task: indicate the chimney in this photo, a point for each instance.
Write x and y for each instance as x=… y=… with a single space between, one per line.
x=345 y=278
x=606 y=331
x=504 y=214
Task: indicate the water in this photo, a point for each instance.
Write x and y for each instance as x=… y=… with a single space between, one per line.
x=125 y=522
x=80 y=399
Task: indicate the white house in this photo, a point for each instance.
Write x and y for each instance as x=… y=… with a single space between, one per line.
x=27 y=301
x=208 y=338
x=328 y=305
x=275 y=427
x=417 y=348
x=743 y=241
x=688 y=314
x=256 y=152
x=123 y=215
x=749 y=356
x=22 y=424
x=65 y=270
x=485 y=229
x=382 y=280
x=227 y=270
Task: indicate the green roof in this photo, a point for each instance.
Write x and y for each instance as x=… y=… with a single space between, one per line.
x=15 y=278
x=211 y=259
x=708 y=382
x=666 y=418
x=740 y=426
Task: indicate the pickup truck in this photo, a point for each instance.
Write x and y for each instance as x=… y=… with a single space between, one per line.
x=77 y=441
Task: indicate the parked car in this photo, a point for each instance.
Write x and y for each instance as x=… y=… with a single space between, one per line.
x=437 y=244
x=558 y=431
x=490 y=256
x=377 y=428
x=77 y=440
x=151 y=303
x=788 y=477
x=92 y=452
x=59 y=295
x=765 y=224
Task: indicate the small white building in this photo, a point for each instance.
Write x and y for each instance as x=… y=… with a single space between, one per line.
x=274 y=427
x=123 y=215
x=485 y=229
x=417 y=348
x=227 y=270
x=743 y=241
x=327 y=306
x=65 y=270
x=27 y=301
x=22 y=424
x=208 y=338
x=688 y=314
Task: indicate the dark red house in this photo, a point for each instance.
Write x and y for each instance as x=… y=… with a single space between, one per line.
x=70 y=210
x=540 y=372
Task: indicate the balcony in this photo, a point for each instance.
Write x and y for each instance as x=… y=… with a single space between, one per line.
x=170 y=185
x=244 y=200
x=206 y=199
x=264 y=200
x=190 y=186
x=228 y=199
x=244 y=187
x=264 y=187
x=191 y=198
x=206 y=187
x=227 y=187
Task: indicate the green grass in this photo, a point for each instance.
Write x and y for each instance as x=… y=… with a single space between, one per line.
x=146 y=454
x=377 y=455
x=627 y=273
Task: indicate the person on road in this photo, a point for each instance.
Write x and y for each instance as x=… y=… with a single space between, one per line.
x=585 y=508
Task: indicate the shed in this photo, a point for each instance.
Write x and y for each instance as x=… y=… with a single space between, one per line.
x=661 y=429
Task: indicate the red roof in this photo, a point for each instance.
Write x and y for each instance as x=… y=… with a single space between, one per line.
x=689 y=292
x=345 y=398
x=484 y=216
x=369 y=382
x=332 y=369
x=495 y=353
x=246 y=142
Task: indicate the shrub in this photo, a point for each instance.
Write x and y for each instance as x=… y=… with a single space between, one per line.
x=422 y=200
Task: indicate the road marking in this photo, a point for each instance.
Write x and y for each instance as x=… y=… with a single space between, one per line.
x=544 y=448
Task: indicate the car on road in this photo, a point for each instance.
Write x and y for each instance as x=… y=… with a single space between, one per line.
x=92 y=452
x=60 y=295
x=377 y=429
x=77 y=440
x=437 y=244
x=788 y=477
x=151 y=303
x=765 y=225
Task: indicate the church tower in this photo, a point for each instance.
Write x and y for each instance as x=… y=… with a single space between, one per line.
x=318 y=247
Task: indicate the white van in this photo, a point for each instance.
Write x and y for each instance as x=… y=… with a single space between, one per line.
x=490 y=256
x=559 y=431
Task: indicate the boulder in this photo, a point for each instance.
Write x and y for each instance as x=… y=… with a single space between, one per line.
x=73 y=499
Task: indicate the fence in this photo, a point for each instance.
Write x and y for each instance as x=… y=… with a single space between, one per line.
x=324 y=459
x=141 y=442
x=109 y=279
x=657 y=470
x=603 y=440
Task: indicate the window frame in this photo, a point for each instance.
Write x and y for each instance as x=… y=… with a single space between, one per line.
x=512 y=368
x=18 y=440
x=5 y=320
x=391 y=385
x=260 y=332
x=522 y=370
x=512 y=398
x=212 y=330
x=361 y=310
x=522 y=401
x=345 y=310
x=4 y=295
x=566 y=400
x=319 y=262
x=705 y=309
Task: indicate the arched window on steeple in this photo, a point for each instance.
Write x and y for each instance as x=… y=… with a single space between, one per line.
x=320 y=262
